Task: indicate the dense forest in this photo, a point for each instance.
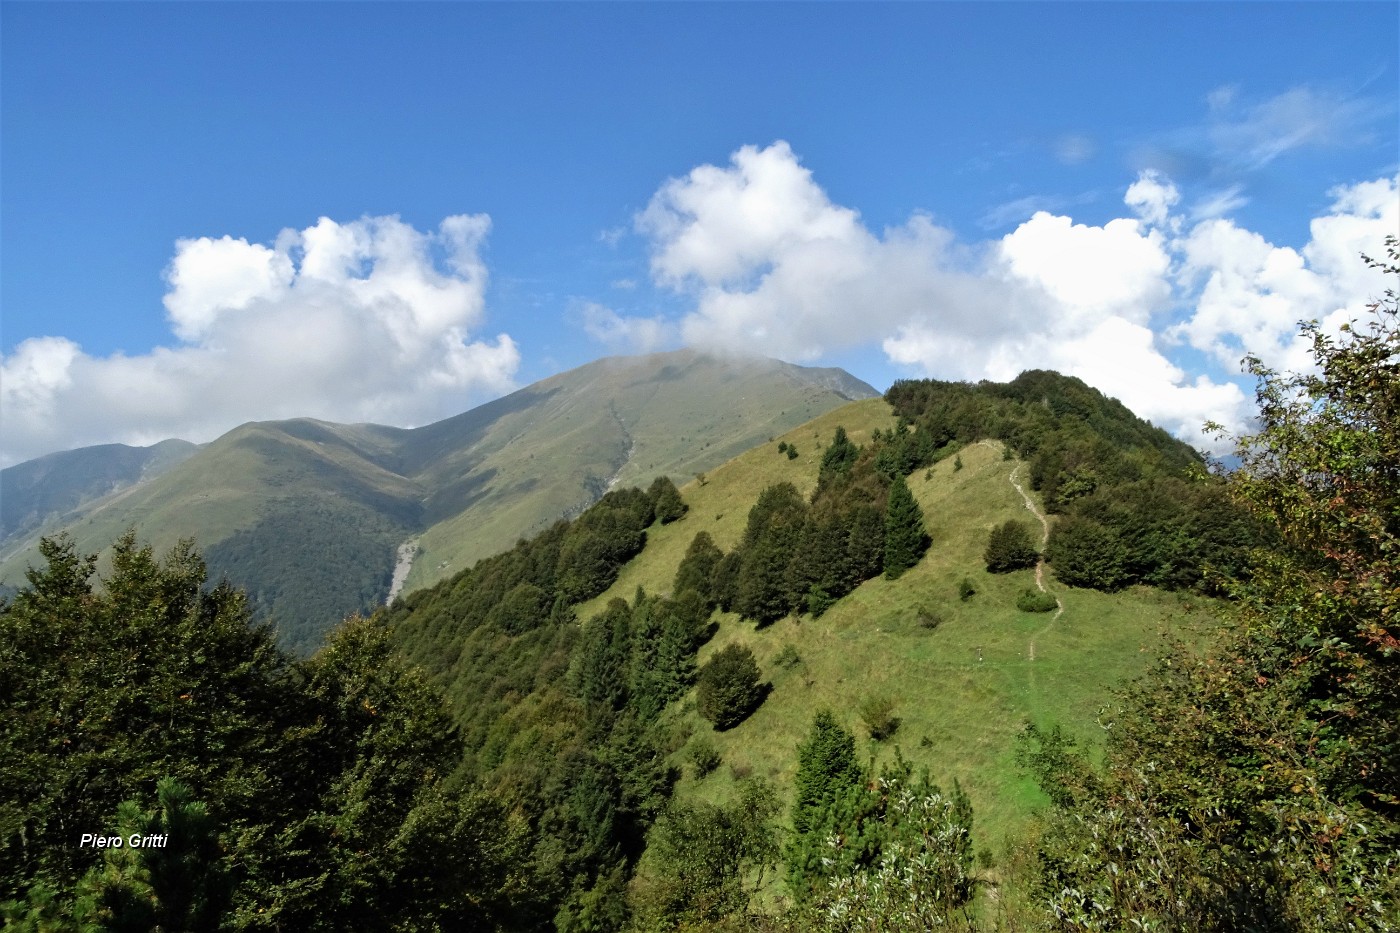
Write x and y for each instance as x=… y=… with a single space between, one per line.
x=475 y=758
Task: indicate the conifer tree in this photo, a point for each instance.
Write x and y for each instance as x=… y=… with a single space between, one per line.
x=905 y=538
x=841 y=455
x=697 y=569
x=728 y=687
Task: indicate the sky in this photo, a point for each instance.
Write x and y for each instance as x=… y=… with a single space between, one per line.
x=393 y=212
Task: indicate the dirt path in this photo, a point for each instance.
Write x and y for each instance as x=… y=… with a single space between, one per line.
x=1040 y=564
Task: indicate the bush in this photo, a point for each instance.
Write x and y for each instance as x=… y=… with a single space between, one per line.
x=792 y=452
x=1010 y=547
x=930 y=618
x=728 y=687
x=1035 y=601
x=878 y=715
x=704 y=757
x=788 y=657
x=966 y=590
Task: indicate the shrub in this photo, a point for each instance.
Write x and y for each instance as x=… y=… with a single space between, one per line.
x=704 y=757
x=1035 y=601
x=788 y=657
x=728 y=687
x=878 y=715
x=792 y=452
x=930 y=618
x=966 y=590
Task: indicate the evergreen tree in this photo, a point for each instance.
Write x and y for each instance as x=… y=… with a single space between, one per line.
x=604 y=659
x=827 y=773
x=666 y=504
x=1009 y=547
x=728 y=687
x=769 y=545
x=840 y=456
x=697 y=569
x=905 y=538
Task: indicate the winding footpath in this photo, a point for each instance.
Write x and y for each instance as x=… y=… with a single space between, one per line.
x=1039 y=564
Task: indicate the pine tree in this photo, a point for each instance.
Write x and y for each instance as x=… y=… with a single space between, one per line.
x=697 y=569
x=728 y=688
x=905 y=538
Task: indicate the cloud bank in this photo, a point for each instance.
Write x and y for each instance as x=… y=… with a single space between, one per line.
x=369 y=320
x=769 y=264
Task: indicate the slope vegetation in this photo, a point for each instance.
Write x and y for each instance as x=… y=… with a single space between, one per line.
x=309 y=516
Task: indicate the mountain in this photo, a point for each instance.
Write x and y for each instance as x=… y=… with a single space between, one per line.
x=588 y=715
x=308 y=516
x=46 y=489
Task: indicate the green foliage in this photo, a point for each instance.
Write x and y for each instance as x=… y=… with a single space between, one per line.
x=320 y=785
x=877 y=712
x=313 y=562
x=905 y=537
x=704 y=757
x=699 y=857
x=770 y=539
x=1255 y=785
x=788 y=658
x=957 y=463
x=1010 y=547
x=922 y=876
x=792 y=452
x=697 y=569
x=840 y=456
x=728 y=688
x=827 y=773
x=1163 y=523
x=1033 y=600
x=966 y=590
x=1085 y=553
x=666 y=504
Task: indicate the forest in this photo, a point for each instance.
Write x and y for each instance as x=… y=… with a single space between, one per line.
x=474 y=757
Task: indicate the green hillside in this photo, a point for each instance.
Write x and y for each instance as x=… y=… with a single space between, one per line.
x=590 y=729
x=958 y=715
x=309 y=516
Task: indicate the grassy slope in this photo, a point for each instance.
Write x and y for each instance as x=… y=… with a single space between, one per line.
x=622 y=421
x=466 y=487
x=959 y=716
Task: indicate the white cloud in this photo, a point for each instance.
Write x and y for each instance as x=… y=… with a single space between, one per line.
x=1152 y=197
x=771 y=265
x=1251 y=294
x=369 y=320
x=625 y=334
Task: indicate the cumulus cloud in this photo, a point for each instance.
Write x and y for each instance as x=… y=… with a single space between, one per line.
x=1250 y=294
x=369 y=320
x=770 y=264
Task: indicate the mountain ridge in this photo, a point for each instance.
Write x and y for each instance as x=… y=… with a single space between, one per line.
x=273 y=504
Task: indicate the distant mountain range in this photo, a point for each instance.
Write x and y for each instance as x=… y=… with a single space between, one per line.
x=311 y=517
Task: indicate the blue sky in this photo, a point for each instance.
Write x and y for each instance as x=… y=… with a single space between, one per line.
x=215 y=213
